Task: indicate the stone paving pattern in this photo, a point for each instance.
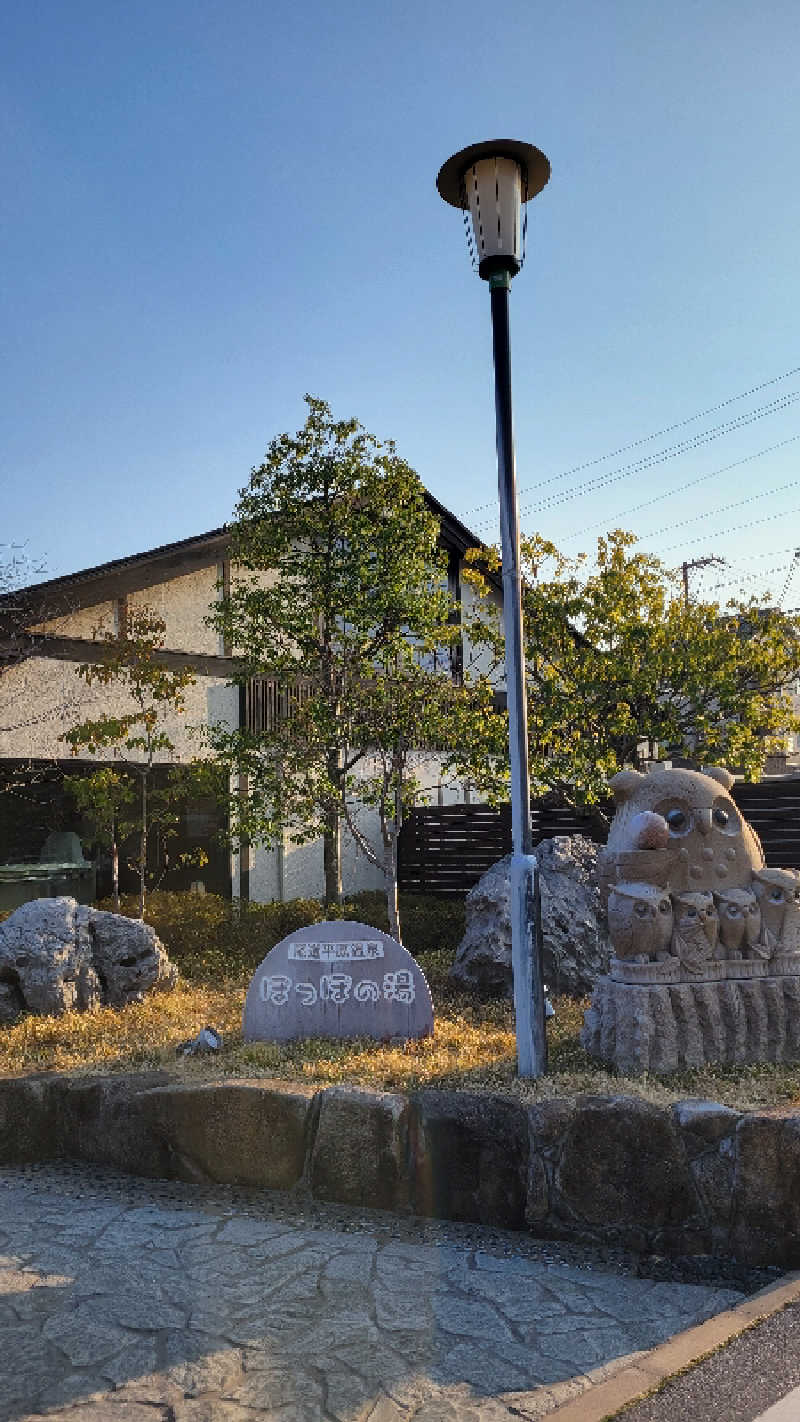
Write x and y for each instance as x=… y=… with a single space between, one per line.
x=132 y=1301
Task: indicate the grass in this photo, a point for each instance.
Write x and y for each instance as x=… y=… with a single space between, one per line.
x=472 y=1047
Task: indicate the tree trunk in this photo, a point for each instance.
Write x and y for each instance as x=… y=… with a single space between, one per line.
x=332 y=856
x=115 y=868
x=143 y=847
x=332 y=842
x=392 y=895
x=392 y=898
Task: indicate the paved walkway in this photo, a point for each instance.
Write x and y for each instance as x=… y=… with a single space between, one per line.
x=131 y=1301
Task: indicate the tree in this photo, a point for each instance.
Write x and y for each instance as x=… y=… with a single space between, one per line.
x=616 y=661
x=339 y=602
x=153 y=693
x=406 y=718
x=106 y=796
x=16 y=569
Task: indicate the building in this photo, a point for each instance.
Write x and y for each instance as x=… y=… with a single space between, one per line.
x=49 y=629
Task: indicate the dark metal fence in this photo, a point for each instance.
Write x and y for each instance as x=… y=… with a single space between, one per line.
x=444 y=850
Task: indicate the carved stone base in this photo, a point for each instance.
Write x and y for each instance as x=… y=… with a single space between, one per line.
x=662 y=1027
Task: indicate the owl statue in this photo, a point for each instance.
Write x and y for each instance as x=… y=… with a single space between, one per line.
x=695 y=927
x=778 y=892
x=739 y=916
x=639 y=921
x=707 y=843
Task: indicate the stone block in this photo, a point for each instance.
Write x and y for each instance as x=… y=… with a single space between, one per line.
x=232 y=1132
x=28 y=1120
x=57 y=956
x=547 y=1122
x=101 y=1119
x=537 y=1197
x=765 y=1226
x=623 y=1171
x=360 y=1154
x=703 y=1124
x=575 y=943
x=470 y=1157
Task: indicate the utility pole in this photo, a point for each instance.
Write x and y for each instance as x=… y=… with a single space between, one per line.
x=686 y=568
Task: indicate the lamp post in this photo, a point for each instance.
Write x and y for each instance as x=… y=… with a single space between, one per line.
x=492 y=181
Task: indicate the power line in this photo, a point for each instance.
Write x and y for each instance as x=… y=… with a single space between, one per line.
x=723 y=532
x=645 y=439
x=726 y=508
x=768 y=553
x=710 y=561
x=746 y=577
x=690 y=484
x=673 y=452
x=649 y=461
x=790 y=572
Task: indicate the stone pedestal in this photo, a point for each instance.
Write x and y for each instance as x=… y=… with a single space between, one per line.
x=665 y=1026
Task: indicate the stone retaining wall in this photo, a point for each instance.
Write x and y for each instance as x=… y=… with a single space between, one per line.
x=695 y=1177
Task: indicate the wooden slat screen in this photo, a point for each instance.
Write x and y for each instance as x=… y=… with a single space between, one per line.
x=445 y=850
x=773 y=809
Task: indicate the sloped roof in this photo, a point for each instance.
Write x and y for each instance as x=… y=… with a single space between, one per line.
x=119 y=576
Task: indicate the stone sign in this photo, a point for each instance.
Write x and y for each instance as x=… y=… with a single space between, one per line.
x=337 y=979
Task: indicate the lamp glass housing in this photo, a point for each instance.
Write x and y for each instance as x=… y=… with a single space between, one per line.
x=493 y=190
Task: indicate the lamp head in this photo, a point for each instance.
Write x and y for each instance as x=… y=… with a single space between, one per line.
x=492 y=181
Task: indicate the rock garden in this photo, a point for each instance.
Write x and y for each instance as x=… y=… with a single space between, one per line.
x=704 y=1159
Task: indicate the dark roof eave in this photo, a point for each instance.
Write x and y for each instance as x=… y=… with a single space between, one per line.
x=120 y=575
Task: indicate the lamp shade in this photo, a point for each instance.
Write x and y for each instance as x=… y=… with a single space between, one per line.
x=492 y=180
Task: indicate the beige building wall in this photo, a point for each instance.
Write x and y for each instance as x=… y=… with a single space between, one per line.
x=294 y=871
x=42 y=698
x=479 y=661
x=86 y=622
x=183 y=603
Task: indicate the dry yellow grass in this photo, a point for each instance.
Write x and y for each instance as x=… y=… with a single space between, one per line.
x=472 y=1048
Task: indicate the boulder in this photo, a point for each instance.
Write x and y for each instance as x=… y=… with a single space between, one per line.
x=57 y=956
x=576 y=945
x=127 y=956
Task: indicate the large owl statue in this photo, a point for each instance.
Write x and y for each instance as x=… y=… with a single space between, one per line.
x=704 y=844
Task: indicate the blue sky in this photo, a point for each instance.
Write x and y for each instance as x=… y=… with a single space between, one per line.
x=211 y=208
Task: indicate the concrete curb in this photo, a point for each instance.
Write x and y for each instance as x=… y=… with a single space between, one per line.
x=607 y=1396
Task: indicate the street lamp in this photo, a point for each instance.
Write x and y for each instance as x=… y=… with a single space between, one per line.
x=492 y=181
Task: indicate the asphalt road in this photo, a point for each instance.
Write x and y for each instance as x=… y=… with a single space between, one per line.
x=736 y=1384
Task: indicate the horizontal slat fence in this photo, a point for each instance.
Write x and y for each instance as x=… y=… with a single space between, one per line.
x=445 y=849
x=773 y=809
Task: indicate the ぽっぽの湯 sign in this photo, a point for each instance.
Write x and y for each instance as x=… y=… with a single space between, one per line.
x=337 y=979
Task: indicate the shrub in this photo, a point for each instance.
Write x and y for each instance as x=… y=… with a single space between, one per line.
x=211 y=939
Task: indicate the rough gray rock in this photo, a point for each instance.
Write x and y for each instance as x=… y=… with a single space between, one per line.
x=574 y=930
x=127 y=956
x=57 y=956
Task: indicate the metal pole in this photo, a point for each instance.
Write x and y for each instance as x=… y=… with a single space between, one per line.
x=525 y=932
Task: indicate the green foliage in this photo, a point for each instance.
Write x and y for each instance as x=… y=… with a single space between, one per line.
x=616 y=660
x=340 y=597
x=212 y=939
x=154 y=693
